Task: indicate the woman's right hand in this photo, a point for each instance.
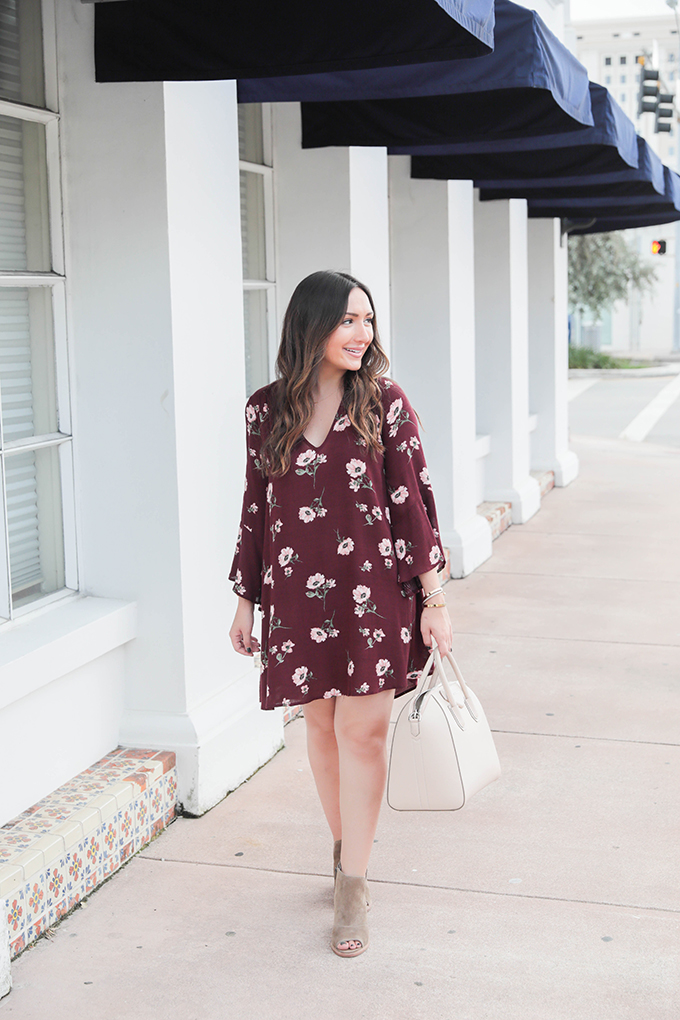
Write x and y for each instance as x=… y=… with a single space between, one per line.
x=241 y=632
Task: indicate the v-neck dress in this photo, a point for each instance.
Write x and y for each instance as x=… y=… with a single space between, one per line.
x=332 y=551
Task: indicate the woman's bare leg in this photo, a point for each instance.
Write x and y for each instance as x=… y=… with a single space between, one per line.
x=322 y=749
x=346 y=744
x=361 y=726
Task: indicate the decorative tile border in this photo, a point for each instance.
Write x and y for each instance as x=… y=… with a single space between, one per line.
x=499 y=516
x=545 y=479
x=60 y=849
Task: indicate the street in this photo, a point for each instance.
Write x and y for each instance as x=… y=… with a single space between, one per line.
x=607 y=407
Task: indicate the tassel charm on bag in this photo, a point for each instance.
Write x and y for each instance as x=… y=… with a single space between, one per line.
x=442 y=749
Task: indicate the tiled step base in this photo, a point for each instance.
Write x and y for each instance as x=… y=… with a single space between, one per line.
x=545 y=479
x=62 y=848
x=499 y=516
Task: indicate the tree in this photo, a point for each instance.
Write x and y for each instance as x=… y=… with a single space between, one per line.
x=602 y=268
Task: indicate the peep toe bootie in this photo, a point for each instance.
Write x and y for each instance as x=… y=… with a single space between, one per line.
x=350 y=924
x=337 y=848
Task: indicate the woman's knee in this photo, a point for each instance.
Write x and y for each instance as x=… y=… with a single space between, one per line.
x=362 y=737
x=319 y=720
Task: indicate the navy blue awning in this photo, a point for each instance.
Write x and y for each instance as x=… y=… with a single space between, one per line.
x=197 y=40
x=531 y=84
x=603 y=226
x=609 y=146
x=611 y=206
x=647 y=178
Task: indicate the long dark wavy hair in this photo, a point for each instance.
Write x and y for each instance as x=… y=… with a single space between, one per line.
x=316 y=309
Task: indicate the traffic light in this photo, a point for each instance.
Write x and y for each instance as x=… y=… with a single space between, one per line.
x=658 y=247
x=664 y=110
x=649 y=87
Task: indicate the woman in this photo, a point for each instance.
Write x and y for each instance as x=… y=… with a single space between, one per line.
x=339 y=544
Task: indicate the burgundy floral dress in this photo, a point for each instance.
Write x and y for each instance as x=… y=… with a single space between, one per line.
x=332 y=551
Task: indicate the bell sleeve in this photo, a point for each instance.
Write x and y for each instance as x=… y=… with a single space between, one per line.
x=413 y=515
x=246 y=569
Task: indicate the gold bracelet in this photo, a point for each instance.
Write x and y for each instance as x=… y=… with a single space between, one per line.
x=436 y=605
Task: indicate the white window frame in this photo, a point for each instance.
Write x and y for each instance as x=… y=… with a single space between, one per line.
x=268 y=284
x=55 y=281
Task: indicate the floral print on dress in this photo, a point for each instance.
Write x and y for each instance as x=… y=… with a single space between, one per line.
x=346 y=626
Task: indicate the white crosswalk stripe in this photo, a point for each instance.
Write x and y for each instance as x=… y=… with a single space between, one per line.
x=643 y=423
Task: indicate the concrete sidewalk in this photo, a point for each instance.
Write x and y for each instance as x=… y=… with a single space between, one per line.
x=553 y=895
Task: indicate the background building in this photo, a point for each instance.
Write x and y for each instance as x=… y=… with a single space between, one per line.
x=610 y=50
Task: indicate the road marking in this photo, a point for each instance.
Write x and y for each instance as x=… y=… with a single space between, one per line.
x=643 y=423
x=576 y=387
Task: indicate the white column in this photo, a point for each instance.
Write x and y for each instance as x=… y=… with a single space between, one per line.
x=433 y=330
x=152 y=189
x=332 y=213
x=548 y=351
x=501 y=297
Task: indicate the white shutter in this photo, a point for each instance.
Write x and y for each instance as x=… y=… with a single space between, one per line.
x=10 y=86
x=12 y=198
x=17 y=417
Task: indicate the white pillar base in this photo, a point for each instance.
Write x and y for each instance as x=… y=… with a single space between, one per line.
x=526 y=500
x=469 y=544
x=566 y=468
x=218 y=744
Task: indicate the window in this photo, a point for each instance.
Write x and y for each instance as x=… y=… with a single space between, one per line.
x=607 y=61
x=37 y=546
x=622 y=79
x=623 y=60
x=257 y=239
x=622 y=97
x=671 y=75
x=608 y=79
x=671 y=57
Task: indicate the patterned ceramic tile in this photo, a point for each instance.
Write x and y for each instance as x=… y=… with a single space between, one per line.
x=56 y=891
x=126 y=828
x=74 y=868
x=135 y=752
x=34 y=898
x=155 y=801
x=171 y=791
x=110 y=842
x=16 y=946
x=167 y=758
x=19 y=840
x=92 y=850
x=142 y=820
x=14 y=909
x=37 y=825
x=7 y=852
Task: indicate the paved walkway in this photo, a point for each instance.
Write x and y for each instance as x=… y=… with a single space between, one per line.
x=552 y=896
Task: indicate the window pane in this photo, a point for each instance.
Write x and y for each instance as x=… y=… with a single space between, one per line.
x=24 y=229
x=27 y=373
x=36 y=540
x=252 y=226
x=250 y=142
x=257 y=345
x=21 y=65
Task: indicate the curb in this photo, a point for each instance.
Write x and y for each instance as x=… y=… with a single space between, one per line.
x=625 y=373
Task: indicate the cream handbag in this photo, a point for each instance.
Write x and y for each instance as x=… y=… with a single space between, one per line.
x=442 y=749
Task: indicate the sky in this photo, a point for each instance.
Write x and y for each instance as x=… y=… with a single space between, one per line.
x=584 y=9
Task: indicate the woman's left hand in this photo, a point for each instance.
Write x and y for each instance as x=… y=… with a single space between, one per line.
x=435 y=625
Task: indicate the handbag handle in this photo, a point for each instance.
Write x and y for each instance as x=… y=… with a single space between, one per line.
x=427 y=681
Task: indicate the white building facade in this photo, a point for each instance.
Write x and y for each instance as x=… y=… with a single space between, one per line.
x=151 y=237
x=611 y=49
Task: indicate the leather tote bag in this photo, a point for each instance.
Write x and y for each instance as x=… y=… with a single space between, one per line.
x=442 y=749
